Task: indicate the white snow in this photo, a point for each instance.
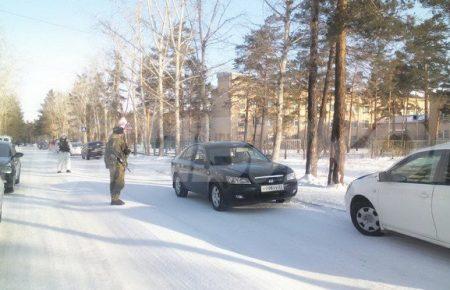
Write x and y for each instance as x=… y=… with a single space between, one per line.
x=59 y=232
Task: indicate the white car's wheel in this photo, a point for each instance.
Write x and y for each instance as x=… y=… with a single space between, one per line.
x=365 y=218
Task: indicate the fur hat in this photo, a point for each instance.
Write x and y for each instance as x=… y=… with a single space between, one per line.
x=118 y=130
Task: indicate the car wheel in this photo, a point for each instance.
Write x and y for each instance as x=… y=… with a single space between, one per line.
x=18 y=177
x=217 y=199
x=10 y=185
x=365 y=218
x=180 y=190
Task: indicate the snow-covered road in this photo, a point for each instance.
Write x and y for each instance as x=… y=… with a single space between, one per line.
x=59 y=232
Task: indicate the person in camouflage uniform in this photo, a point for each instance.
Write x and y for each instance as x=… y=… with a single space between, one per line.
x=116 y=154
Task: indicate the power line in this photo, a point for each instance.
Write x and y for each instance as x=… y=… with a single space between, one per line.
x=44 y=21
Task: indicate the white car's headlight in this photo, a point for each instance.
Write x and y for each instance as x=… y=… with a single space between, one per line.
x=290 y=176
x=237 y=180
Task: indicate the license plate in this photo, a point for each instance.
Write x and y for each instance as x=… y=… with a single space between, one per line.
x=273 y=187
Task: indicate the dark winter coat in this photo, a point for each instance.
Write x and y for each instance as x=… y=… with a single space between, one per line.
x=116 y=151
x=64 y=145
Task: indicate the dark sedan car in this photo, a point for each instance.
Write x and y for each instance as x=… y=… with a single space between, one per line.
x=2 y=191
x=10 y=165
x=231 y=174
x=92 y=150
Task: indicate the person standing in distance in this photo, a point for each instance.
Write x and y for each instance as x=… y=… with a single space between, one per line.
x=116 y=155
x=64 y=154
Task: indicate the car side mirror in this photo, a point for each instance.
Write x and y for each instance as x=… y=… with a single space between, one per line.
x=384 y=176
x=18 y=155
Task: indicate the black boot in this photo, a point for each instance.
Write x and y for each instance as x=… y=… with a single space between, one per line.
x=117 y=202
x=58 y=172
x=68 y=171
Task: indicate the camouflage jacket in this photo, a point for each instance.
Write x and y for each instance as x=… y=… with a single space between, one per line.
x=116 y=151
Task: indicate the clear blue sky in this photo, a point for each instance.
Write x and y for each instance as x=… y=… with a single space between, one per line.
x=46 y=56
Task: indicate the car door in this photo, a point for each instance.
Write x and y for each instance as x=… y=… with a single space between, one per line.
x=405 y=200
x=199 y=173
x=184 y=166
x=441 y=202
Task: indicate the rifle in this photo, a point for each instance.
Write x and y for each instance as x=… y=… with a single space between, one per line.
x=121 y=161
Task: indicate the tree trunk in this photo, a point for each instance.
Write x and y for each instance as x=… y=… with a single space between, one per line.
x=427 y=99
x=337 y=150
x=177 y=106
x=161 y=109
x=246 y=118
x=350 y=113
x=324 y=101
x=311 y=149
x=281 y=79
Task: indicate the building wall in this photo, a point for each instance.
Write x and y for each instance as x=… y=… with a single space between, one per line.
x=228 y=117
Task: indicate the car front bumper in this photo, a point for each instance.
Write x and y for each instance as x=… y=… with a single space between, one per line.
x=236 y=195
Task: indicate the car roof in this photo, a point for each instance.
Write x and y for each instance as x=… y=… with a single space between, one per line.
x=443 y=146
x=213 y=144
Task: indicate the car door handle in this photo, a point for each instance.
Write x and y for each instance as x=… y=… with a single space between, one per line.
x=424 y=195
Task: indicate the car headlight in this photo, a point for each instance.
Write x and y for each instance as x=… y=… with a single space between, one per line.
x=237 y=180
x=6 y=169
x=290 y=176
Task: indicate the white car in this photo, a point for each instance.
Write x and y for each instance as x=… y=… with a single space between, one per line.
x=75 y=148
x=412 y=197
x=6 y=139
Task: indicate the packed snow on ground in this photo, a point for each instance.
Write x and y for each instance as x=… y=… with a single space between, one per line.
x=59 y=232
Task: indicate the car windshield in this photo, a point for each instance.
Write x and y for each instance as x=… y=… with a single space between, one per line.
x=5 y=150
x=235 y=155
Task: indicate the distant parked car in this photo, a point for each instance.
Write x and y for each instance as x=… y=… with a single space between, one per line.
x=76 y=148
x=10 y=165
x=92 y=150
x=2 y=192
x=42 y=145
x=412 y=197
x=231 y=173
x=5 y=138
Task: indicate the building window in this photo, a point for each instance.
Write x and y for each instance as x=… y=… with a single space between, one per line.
x=365 y=125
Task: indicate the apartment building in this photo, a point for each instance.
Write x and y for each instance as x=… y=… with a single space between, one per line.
x=229 y=113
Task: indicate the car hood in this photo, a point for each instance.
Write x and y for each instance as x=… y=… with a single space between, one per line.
x=4 y=160
x=254 y=169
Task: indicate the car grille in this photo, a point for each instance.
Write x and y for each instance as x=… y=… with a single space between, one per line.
x=270 y=179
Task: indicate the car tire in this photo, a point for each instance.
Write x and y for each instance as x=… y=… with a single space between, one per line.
x=365 y=218
x=216 y=197
x=10 y=186
x=180 y=189
x=18 y=177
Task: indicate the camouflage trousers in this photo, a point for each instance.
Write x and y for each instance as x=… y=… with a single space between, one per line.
x=117 y=180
